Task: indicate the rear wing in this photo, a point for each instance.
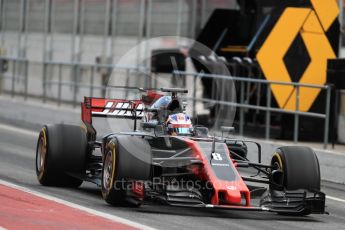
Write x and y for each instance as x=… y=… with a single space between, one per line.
x=120 y=108
x=117 y=108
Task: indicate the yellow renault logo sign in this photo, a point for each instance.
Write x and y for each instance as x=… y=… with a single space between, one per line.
x=311 y=25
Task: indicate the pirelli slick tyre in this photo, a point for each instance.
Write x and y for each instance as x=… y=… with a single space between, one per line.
x=126 y=165
x=300 y=170
x=300 y=167
x=61 y=152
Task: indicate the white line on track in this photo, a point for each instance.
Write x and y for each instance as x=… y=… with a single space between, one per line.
x=18 y=130
x=2 y=228
x=79 y=207
x=335 y=198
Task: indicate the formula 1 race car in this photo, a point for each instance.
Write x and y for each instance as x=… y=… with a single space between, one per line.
x=167 y=159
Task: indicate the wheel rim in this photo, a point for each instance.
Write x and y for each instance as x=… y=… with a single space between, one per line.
x=277 y=162
x=41 y=155
x=108 y=169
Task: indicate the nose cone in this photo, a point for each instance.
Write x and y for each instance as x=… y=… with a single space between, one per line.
x=233 y=195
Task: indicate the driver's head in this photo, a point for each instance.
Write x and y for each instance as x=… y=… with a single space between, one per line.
x=179 y=124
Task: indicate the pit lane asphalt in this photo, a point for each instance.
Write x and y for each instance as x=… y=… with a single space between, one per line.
x=17 y=165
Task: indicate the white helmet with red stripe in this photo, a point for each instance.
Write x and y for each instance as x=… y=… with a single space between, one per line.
x=179 y=124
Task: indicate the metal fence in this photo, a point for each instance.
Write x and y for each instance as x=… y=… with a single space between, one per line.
x=243 y=104
x=65 y=82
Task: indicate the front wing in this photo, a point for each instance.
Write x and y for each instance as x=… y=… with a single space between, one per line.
x=298 y=202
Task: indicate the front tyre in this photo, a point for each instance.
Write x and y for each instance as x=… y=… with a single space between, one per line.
x=297 y=180
x=124 y=170
x=300 y=167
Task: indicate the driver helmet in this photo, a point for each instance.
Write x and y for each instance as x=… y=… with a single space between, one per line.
x=179 y=124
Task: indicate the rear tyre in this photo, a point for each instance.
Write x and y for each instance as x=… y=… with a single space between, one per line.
x=124 y=171
x=61 y=152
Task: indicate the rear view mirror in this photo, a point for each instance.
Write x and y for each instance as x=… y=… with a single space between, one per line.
x=201 y=131
x=227 y=129
x=149 y=125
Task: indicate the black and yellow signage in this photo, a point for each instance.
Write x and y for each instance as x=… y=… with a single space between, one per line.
x=311 y=24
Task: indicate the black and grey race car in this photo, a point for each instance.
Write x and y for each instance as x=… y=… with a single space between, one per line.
x=169 y=160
